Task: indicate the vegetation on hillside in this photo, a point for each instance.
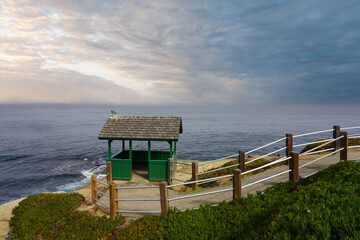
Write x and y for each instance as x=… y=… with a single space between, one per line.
x=54 y=216
x=323 y=206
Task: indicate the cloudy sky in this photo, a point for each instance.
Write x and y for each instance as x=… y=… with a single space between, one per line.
x=180 y=52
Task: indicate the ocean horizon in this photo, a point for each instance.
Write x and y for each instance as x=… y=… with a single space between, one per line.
x=55 y=147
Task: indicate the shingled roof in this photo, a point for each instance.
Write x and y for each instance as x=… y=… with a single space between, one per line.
x=141 y=128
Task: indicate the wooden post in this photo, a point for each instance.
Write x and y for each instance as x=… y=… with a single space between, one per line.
x=344 y=144
x=336 y=134
x=163 y=198
x=195 y=169
x=237 y=184
x=289 y=145
x=242 y=161
x=130 y=150
x=171 y=146
x=113 y=203
x=108 y=172
x=170 y=161
x=294 y=167
x=109 y=149
x=93 y=192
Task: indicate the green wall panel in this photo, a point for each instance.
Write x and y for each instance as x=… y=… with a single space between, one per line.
x=158 y=170
x=121 y=169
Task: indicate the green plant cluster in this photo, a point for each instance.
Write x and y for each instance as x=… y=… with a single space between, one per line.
x=323 y=206
x=54 y=216
x=351 y=142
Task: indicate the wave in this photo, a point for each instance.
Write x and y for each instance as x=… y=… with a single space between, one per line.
x=98 y=170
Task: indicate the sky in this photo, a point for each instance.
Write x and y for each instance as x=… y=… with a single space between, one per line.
x=180 y=52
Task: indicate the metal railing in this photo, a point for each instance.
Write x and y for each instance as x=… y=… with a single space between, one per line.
x=264 y=179
x=223 y=158
x=265 y=155
x=201 y=194
x=181 y=163
x=313 y=133
x=322 y=145
x=353 y=136
x=266 y=145
x=266 y=165
x=322 y=157
x=292 y=158
x=117 y=200
x=311 y=151
x=96 y=193
x=308 y=152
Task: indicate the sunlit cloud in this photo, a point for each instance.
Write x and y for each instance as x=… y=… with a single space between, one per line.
x=162 y=52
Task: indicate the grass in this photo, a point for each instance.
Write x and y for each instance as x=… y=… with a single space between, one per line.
x=323 y=206
x=54 y=216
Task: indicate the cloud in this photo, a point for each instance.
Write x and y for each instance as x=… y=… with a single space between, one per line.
x=188 y=52
x=62 y=86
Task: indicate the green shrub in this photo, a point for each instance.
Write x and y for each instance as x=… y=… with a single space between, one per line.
x=81 y=225
x=38 y=213
x=54 y=216
x=323 y=206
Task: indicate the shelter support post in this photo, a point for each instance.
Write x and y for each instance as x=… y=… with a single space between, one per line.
x=171 y=146
x=149 y=150
x=294 y=167
x=344 y=144
x=109 y=148
x=130 y=150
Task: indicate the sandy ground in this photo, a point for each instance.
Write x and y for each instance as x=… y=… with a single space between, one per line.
x=140 y=179
x=5 y=215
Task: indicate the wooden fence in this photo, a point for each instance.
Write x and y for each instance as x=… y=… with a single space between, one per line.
x=339 y=143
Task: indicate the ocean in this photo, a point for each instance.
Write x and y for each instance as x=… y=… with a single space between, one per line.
x=54 y=147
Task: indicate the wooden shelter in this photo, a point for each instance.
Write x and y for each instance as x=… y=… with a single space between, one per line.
x=140 y=128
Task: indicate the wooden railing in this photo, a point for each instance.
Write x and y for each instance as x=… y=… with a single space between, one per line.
x=99 y=189
x=339 y=142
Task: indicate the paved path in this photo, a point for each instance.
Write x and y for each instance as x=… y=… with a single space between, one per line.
x=213 y=199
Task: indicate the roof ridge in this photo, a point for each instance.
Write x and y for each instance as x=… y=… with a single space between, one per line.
x=142 y=127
